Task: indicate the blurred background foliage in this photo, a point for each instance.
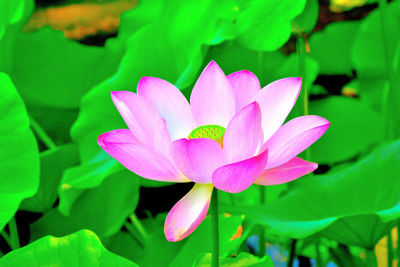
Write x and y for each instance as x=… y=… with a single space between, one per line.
x=59 y=60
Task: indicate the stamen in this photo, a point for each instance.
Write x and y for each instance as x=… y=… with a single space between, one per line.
x=214 y=132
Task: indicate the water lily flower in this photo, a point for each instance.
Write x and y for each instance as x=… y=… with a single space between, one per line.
x=230 y=136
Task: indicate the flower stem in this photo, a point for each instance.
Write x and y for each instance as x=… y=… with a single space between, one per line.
x=136 y=222
x=292 y=255
x=214 y=229
x=42 y=135
x=371 y=258
x=261 y=239
x=301 y=51
x=390 y=248
x=14 y=238
x=388 y=69
x=6 y=237
x=398 y=242
x=133 y=233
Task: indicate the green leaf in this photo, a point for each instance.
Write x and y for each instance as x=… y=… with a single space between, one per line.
x=200 y=240
x=265 y=25
x=52 y=165
x=102 y=209
x=332 y=47
x=368 y=54
x=290 y=68
x=165 y=48
x=12 y=12
x=76 y=180
x=306 y=21
x=338 y=204
x=157 y=252
x=252 y=195
x=242 y=260
x=56 y=122
x=346 y=138
x=82 y=248
x=19 y=155
x=232 y=56
x=82 y=67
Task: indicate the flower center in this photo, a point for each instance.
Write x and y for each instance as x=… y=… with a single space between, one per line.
x=214 y=132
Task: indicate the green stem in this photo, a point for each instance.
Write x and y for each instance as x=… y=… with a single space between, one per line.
x=42 y=135
x=136 y=222
x=292 y=255
x=14 y=238
x=388 y=71
x=346 y=254
x=215 y=230
x=132 y=231
x=398 y=242
x=371 y=258
x=6 y=237
x=318 y=257
x=390 y=249
x=261 y=239
x=301 y=51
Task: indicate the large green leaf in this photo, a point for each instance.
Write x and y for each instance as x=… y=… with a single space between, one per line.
x=242 y=260
x=355 y=205
x=12 y=12
x=306 y=21
x=102 y=209
x=232 y=56
x=53 y=162
x=332 y=47
x=82 y=67
x=165 y=48
x=82 y=248
x=160 y=252
x=368 y=54
x=157 y=251
x=200 y=241
x=19 y=155
x=350 y=120
x=265 y=25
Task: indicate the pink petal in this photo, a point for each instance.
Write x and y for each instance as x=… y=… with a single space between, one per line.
x=243 y=134
x=198 y=158
x=245 y=86
x=276 y=101
x=188 y=213
x=118 y=136
x=287 y=172
x=139 y=158
x=236 y=177
x=170 y=103
x=139 y=114
x=212 y=99
x=293 y=138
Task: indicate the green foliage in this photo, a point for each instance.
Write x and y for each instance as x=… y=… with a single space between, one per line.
x=350 y=119
x=337 y=205
x=102 y=209
x=242 y=260
x=52 y=164
x=265 y=25
x=306 y=21
x=332 y=47
x=79 y=249
x=65 y=87
x=19 y=156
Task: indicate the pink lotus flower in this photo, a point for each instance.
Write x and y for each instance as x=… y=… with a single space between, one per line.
x=230 y=136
